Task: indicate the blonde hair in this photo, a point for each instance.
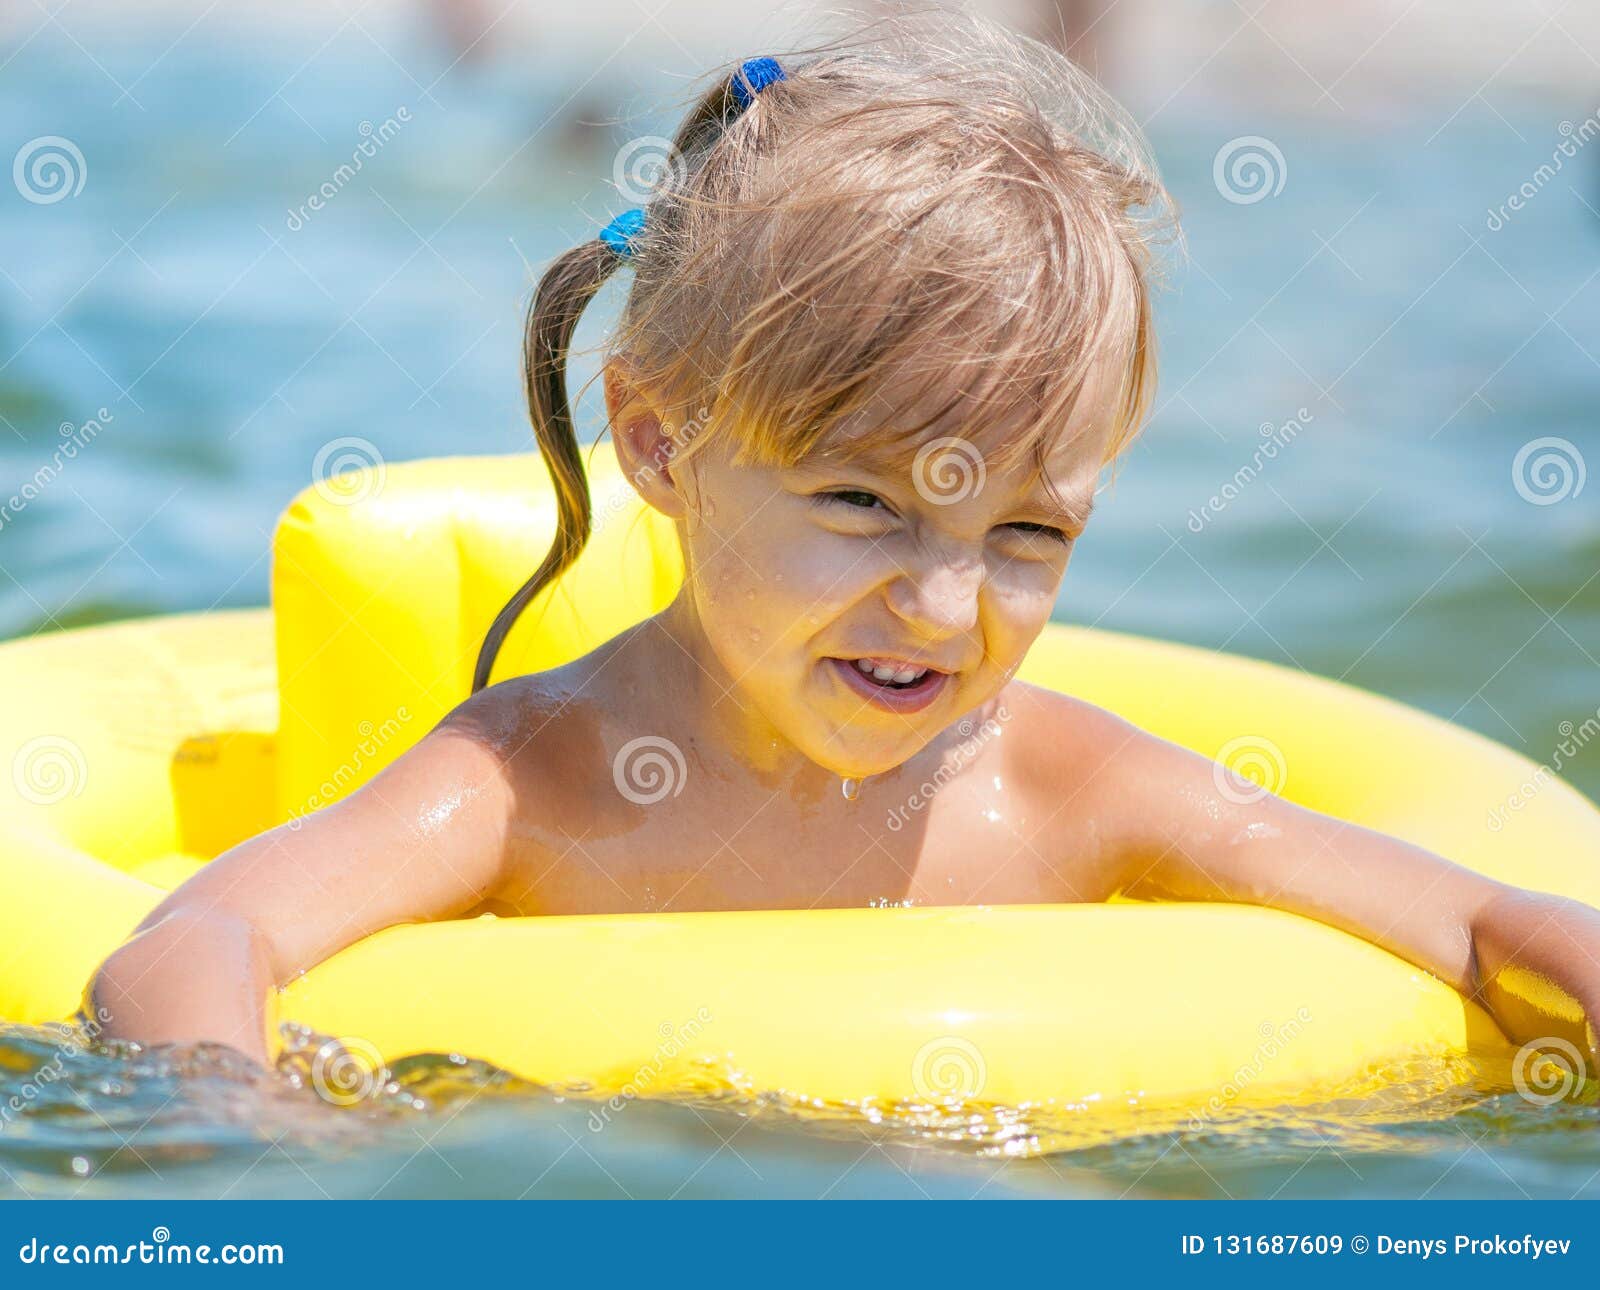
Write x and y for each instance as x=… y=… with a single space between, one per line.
x=930 y=196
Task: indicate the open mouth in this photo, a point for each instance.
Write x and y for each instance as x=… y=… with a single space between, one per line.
x=891 y=683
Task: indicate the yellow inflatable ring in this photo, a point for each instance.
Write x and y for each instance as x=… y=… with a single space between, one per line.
x=136 y=751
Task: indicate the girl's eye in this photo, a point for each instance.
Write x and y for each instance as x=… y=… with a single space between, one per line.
x=1045 y=530
x=855 y=497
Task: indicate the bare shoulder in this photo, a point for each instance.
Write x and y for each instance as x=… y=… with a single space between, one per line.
x=1091 y=777
x=541 y=730
x=1057 y=739
x=501 y=721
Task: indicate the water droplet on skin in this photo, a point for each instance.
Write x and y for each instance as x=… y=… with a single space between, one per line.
x=851 y=788
x=751 y=594
x=755 y=636
x=1258 y=829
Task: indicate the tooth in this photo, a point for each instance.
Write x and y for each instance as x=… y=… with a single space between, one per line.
x=883 y=673
x=864 y=664
x=906 y=675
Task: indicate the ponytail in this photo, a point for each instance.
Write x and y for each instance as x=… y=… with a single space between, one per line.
x=569 y=284
x=566 y=288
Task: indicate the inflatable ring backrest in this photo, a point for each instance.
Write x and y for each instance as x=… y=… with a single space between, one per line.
x=383 y=588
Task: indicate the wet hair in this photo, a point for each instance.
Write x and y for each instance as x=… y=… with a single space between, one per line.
x=929 y=197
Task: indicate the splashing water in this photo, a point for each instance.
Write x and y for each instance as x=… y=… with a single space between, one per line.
x=112 y=1119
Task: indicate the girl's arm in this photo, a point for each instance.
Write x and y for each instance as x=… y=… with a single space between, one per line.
x=1533 y=960
x=425 y=839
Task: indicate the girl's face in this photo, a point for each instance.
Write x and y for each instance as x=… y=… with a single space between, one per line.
x=861 y=609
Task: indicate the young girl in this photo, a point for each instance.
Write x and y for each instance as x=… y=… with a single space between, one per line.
x=889 y=321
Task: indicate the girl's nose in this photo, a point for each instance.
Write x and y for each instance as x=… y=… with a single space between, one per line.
x=940 y=596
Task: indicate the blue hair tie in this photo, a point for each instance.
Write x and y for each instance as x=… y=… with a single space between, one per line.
x=622 y=234
x=753 y=76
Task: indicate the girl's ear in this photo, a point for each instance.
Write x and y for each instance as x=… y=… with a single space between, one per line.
x=643 y=440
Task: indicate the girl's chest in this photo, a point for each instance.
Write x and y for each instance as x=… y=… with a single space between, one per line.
x=681 y=856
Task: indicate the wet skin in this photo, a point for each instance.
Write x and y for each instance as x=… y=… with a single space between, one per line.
x=695 y=762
